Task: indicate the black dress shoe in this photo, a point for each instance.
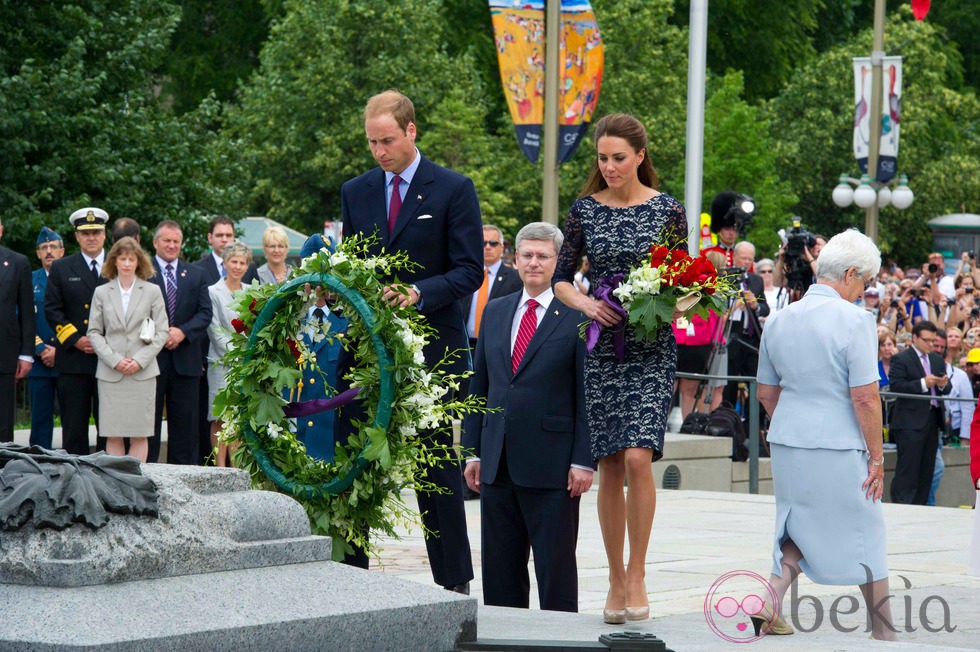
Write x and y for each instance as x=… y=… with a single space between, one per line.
x=463 y=588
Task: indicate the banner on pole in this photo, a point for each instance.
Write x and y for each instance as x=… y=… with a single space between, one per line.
x=891 y=115
x=519 y=27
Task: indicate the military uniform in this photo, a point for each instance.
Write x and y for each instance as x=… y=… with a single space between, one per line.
x=71 y=284
x=43 y=379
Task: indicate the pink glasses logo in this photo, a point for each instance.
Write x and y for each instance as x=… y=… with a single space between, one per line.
x=735 y=604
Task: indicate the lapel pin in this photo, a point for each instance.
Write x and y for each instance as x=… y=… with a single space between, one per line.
x=420 y=197
x=556 y=312
x=5 y=263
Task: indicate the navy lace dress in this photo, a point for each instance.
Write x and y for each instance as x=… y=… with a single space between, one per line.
x=627 y=402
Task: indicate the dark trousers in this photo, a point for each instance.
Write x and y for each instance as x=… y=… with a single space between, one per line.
x=516 y=520
x=180 y=395
x=444 y=516
x=916 y=461
x=78 y=397
x=743 y=360
x=204 y=426
x=44 y=392
x=7 y=397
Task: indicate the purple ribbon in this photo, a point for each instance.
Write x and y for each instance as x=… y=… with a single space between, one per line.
x=307 y=408
x=603 y=292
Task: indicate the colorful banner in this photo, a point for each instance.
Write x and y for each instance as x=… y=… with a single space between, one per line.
x=519 y=27
x=891 y=115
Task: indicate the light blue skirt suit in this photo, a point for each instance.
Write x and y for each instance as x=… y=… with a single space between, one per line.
x=816 y=350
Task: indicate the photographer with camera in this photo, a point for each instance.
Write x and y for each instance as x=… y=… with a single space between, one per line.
x=964 y=304
x=796 y=262
x=745 y=314
x=892 y=313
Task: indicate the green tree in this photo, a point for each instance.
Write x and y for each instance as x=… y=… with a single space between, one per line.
x=739 y=156
x=80 y=124
x=812 y=126
x=214 y=47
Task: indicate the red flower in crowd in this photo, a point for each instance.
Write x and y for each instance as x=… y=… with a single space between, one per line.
x=238 y=325
x=658 y=255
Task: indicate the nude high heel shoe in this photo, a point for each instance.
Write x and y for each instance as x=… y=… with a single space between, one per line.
x=763 y=622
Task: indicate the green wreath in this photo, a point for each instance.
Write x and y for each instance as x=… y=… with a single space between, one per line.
x=360 y=490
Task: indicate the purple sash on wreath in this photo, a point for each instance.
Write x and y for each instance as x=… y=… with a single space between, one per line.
x=306 y=408
x=603 y=292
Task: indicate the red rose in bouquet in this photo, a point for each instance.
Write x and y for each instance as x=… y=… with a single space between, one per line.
x=700 y=272
x=658 y=254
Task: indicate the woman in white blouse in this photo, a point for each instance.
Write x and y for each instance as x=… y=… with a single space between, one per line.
x=127 y=327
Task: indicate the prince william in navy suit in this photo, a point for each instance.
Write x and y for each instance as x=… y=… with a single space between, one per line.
x=432 y=214
x=531 y=458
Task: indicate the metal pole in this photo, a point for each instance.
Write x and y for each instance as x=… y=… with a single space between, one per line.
x=877 y=91
x=696 y=60
x=549 y=123
x=753 y=437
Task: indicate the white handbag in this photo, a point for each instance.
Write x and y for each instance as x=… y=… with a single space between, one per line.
x=148 y=330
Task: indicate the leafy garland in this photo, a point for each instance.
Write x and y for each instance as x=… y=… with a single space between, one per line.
x=360 y=489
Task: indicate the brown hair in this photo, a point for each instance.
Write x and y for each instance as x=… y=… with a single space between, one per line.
x=625 y=126
x=392 y=103
x=127 y=245
x=884 y=337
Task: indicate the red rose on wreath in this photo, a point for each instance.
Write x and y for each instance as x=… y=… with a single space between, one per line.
x=238 y=325
x=293 y=348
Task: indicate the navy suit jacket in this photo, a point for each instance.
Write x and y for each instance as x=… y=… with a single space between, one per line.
x=440 y=228
x=192 y=315
x=541 y=420
x=16 y=310
x=67 y=302
x=905 y=376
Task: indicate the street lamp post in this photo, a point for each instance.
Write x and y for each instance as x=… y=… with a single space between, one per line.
x=869 y=193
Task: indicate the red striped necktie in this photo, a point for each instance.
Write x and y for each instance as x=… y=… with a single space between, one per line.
x=529 y=323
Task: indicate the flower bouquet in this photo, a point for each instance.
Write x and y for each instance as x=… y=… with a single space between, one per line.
x=669 y=281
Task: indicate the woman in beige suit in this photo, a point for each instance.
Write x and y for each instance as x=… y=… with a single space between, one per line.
x=127 y=368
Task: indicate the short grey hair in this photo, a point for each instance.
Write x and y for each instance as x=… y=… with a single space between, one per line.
x=491 y=227
x=765 y=262
x=540 y=231
x=237 y=248
x=845 y=250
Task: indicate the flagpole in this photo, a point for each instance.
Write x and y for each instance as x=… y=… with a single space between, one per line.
x=693 y=166
x=877 y=91
x=549 y=122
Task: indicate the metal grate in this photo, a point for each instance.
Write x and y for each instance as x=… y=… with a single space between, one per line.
x=672 y=477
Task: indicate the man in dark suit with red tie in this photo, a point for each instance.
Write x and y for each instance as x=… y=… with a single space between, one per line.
x=433 y=215
x=915 y=423
x=530 y=457
x=16 y=331
x=71 y=284
x=185 y=293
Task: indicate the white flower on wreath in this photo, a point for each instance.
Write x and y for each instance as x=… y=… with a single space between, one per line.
x=274 y=430
x=338 y=257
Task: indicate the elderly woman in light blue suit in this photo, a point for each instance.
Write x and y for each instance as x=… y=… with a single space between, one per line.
x=127 y=370
x=818 y=378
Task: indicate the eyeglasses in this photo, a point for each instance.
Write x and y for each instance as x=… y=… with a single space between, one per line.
x=765 y=271
x=928 y=340
x=50 y=246
x=491 y=243
x=276 y=246
x=541 y=257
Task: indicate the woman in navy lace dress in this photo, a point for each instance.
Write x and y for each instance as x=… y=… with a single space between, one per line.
x=618 y=215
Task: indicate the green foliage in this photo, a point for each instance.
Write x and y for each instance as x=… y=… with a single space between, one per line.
x=738 y=155
x=80 y=124
x=214 y=47
x=263 y=365
x=812 y=126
